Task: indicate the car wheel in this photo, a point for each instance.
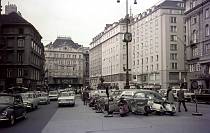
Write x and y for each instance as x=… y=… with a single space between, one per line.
x=172 y=113
x=12 y=120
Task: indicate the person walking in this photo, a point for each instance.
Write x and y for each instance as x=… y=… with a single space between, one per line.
x=181 y=99
x=85 y=96
x=170 y=95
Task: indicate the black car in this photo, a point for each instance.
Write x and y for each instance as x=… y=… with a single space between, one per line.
x=11 y=108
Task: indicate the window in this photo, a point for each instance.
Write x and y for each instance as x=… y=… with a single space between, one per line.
x=21 y=30
x=157 y=67
x=173 y=47
x=156 y=57
x=193 y=3
x=173 y=56
x=173 y=19
x=173 y=38
x=147 y=60
x=207 y=14
x=20 y=57
x=195 y=51
x=151 y=58
x=20 y=72
x=173 y=29
x=21 y=43
x=151 y=67
x=173 y=76
x=207 y=30
x=194 y=20
x=174 y=65
x=194 y=36
x=9 y=73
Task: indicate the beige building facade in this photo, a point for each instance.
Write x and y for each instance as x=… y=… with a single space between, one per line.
x=158 y=46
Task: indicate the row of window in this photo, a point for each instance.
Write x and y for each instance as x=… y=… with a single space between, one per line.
x=194 y=67
x=20 y=72
x=56 y=55
x=152 y=68
x=35 y=60
x=35 y=47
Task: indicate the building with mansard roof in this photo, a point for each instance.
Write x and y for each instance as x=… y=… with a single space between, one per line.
x=66 y=64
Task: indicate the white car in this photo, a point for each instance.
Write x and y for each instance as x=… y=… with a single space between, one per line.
x=30 y=100
x=44 y=98
x=53 y=95
x=66 y=98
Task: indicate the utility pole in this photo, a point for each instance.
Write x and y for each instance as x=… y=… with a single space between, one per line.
x=127 y=39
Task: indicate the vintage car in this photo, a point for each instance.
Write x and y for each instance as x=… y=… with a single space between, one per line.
x=66 y=98
x=30 y=100
x=53 y=95
x=11 y=108
x=147 y=101
x=44 y=98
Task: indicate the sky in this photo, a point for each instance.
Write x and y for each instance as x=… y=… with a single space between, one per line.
x=81 y=20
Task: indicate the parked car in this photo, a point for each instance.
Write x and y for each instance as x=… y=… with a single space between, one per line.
x=11 y=108
x=53 y=95
x=44 y=98
x=66 y=98
x=148 y=101
x=30 y=100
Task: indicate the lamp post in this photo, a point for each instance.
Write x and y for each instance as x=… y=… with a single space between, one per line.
x=127 y=39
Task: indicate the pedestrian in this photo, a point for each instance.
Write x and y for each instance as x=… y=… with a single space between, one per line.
x=85 y=96
x=181 y=99
x=170 y=95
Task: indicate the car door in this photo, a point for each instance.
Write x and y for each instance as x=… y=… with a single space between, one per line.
x=139 y=100
x=18 y=106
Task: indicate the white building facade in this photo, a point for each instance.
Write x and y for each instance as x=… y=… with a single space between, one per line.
x=158 y=46
x=65 y=63
x=112 y=60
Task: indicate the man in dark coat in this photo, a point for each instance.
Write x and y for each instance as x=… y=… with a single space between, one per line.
x=181 y=99
x=85 y=96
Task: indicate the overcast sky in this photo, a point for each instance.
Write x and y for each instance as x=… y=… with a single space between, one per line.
x=79 y=19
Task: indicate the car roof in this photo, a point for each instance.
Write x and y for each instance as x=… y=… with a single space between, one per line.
x=8 y=94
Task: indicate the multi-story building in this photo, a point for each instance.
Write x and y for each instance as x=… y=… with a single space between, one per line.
x=21 y=53
x=108 y=55
x=198 y=42
x=158 y=46
x=66 y=63
x=86 y=77
x=95 y=57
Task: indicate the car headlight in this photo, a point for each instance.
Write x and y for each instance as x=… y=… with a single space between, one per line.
x=4 y=112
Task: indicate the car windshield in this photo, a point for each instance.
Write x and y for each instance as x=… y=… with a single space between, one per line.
x=6 y=99
x=26 y=95
x=139 y=95
x=43 y=95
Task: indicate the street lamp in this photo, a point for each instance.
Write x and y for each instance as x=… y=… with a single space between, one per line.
x=127 y=39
